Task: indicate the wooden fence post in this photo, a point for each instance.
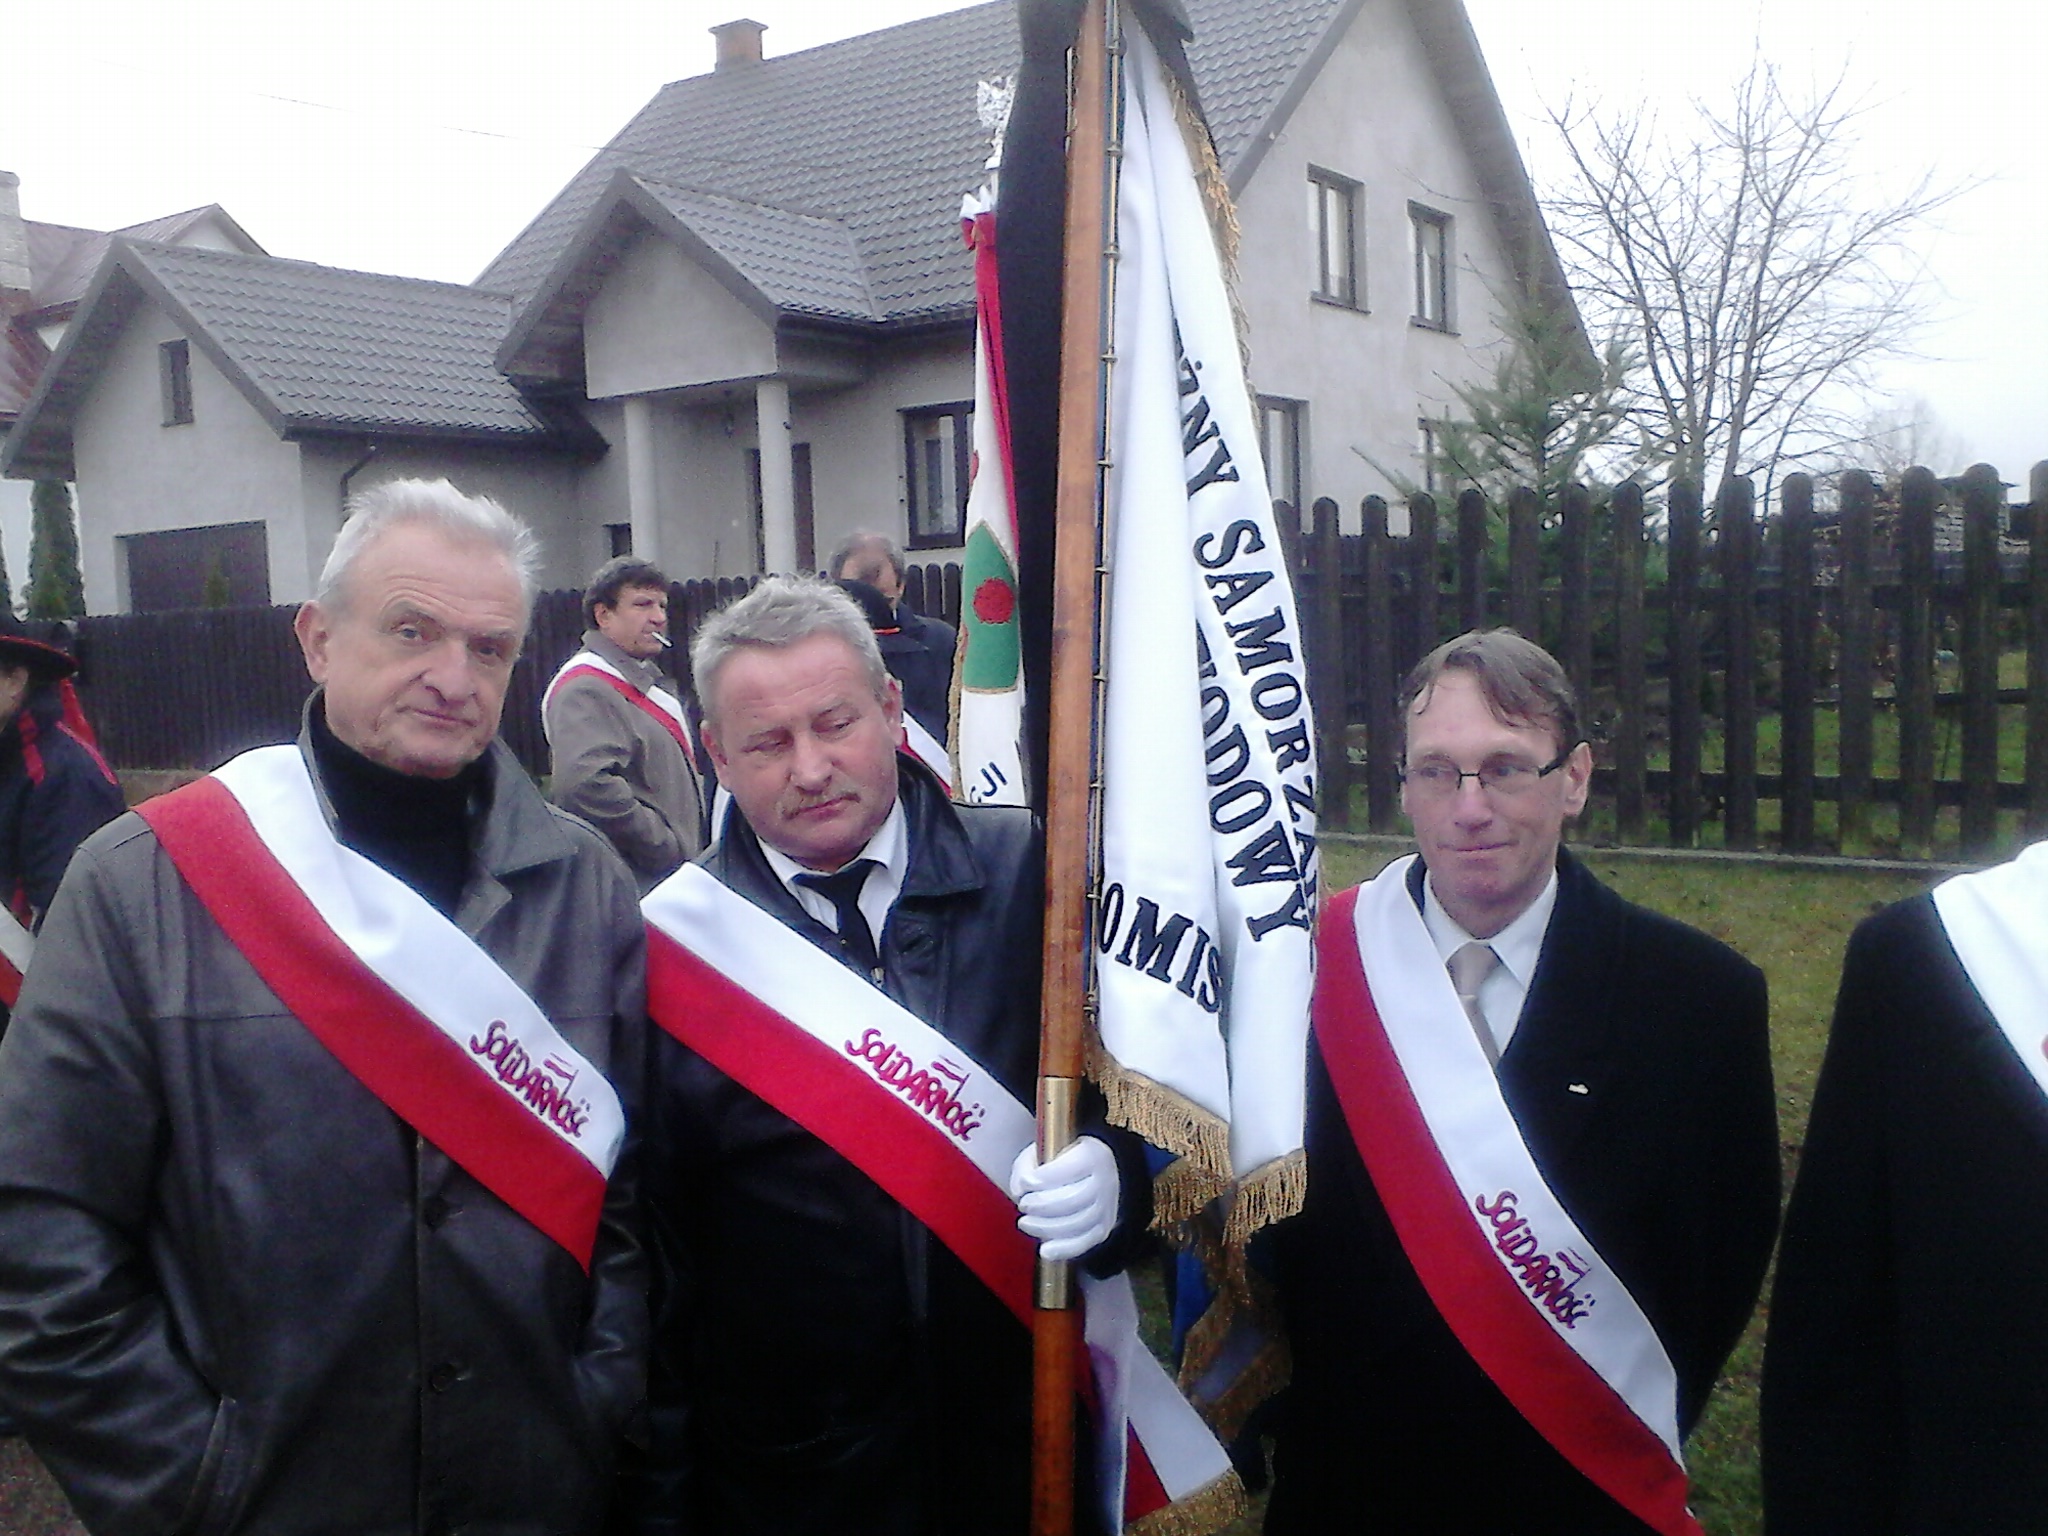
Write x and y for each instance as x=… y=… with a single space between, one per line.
x=1795 y=663
x=1382 y=730
x=1855 y=668
x=1332 y=679
x=2037 y=650
x=1525 y=563
x=1682 y=619
x=1915 y=685
x=1576 y=607
x=1983 y=501
x=1630 y=666
x=1423 y=581
x=1471 y=560
x=1736 y=512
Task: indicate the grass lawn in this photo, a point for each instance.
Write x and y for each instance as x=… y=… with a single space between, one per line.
x=1795 y=925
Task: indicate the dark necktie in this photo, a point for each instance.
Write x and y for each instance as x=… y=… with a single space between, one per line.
x=856 y=939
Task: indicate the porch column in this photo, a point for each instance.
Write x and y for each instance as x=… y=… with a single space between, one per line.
x=778 y=478
x=642 y=493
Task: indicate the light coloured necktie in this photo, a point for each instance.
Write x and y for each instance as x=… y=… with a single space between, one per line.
x=1469 y=966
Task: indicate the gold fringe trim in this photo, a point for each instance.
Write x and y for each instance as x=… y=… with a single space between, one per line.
x=1209 y=1508
x=1163 y=1117
x=1181 y=1191
x=1242 y=1303
x=1221 y=206
x=1265 y=1195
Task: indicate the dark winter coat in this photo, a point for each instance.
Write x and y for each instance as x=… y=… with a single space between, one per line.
x=824 y=1366
x=54 y=791
x=237 y=1293
x=1904 y=1389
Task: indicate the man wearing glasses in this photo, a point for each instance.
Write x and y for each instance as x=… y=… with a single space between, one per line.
x=1542 y=1146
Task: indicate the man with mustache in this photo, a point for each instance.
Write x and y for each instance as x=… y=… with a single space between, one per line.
x=619 y=742
x=829 y=1356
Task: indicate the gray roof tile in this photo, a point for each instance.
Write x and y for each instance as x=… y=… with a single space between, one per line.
x=879 y=135
x=351 y=350
x=802 y=262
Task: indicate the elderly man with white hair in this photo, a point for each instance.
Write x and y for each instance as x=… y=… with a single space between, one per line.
x=312 y=1213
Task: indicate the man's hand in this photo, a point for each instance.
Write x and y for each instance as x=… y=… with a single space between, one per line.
x=1069 y=1204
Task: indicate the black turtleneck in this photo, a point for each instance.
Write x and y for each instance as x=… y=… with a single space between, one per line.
x=416 y=828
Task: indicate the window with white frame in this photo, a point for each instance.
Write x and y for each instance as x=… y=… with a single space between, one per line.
x=938 y=442
x=1280 y=441
x=1432 y=232
x=1333 y=221
x=1426 y=446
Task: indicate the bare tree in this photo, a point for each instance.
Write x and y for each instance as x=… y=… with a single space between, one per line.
x=1903 y=433
x=1755 y=274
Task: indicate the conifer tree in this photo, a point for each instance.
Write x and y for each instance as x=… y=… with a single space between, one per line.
x=56 y=589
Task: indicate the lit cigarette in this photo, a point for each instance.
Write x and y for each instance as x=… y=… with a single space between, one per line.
x=664 y=641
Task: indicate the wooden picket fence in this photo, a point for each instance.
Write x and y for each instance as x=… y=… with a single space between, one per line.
x=1756 y=689
x=192 y=687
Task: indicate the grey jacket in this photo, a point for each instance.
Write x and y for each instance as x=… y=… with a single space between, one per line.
x=616 y=767
x=237 y=1293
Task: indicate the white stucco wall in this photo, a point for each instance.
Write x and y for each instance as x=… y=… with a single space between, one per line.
x=701 y=446
x=136 y=475
x=1376 y=116
x=539 y=488
x=856 y=439
x=662 y=322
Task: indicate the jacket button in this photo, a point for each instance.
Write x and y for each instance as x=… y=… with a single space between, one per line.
x=441 y=1377
x=433 y=1211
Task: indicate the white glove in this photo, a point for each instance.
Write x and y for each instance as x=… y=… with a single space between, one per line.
x=1071 y=1203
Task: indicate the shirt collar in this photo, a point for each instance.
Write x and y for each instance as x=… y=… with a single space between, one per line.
x=1519 y=945
x=889 y=848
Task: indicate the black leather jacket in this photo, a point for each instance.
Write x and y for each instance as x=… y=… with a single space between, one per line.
x=237 y=1293
x=823 y=1364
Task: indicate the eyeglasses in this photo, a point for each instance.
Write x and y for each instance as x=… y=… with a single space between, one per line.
x=1506 y=777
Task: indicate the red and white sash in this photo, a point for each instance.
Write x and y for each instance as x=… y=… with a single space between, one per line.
x=926 y=1122
x=1517 y=1281
x=929 y=750
x=16 y=945
x=663 y=707
x=1997 y=923
x=405 y=1000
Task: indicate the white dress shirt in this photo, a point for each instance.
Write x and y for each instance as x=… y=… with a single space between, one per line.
x=889 y=848
x=1519 y=946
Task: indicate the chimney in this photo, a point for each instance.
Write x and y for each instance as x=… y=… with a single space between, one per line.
x=15 y=277
x=739 y=42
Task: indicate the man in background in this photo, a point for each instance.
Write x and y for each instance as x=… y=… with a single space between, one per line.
x=919 y=651
x=55 y=789
x=619 y=741
x=1542 y=1154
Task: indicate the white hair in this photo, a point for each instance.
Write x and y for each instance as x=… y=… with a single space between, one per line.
x=439 y=505
x=780 y=612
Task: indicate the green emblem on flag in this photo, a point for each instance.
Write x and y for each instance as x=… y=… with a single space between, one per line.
x=989 y=610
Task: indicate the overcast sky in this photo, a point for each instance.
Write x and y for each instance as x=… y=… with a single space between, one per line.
x=419 y=136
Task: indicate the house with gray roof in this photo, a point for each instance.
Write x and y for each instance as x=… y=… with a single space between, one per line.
x=745 y=327
x=45 y=270
x=215 y=408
